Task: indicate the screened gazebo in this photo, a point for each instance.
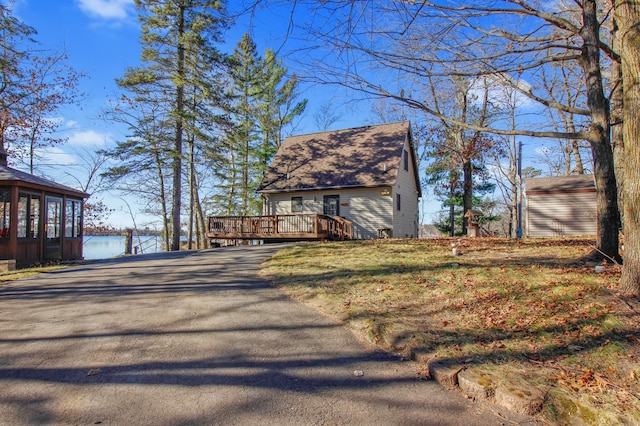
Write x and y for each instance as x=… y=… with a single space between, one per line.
x=40 y=220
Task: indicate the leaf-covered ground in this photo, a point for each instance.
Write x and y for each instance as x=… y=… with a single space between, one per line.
x=527 y=311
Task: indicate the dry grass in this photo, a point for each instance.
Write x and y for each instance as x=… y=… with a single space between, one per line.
x=27 y=272
x=527 y=311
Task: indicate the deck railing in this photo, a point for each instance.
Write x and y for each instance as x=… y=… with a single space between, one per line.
x=280 y=227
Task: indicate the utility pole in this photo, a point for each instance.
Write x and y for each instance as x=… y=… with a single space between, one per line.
x=519 y=193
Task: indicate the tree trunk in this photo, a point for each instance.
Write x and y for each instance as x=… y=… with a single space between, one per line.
x=163 y=199
x=606 y=187
x=201 y=225
x=627 y=15
x=617 y=133
x=513 y=209
x=452 y=207
x=467 y=196
x=177 y=159
x=575 y=146
x=192 y=189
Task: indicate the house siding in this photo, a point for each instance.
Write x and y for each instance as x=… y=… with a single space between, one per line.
x=561 y=214
x=405 y=221
x=366 y=208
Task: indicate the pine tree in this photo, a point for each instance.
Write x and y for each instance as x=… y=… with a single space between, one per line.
x=263 y=104
x=178 y=37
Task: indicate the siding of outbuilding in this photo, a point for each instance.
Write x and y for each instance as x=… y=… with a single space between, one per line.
x=563 y=206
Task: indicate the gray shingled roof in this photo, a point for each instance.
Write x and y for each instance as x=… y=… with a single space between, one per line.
x=360 y=157
x=560 y=184
x=7 y=174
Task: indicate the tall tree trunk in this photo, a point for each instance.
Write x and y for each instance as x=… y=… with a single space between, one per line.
x=192 y=189
x=177 y=159
x=627 y=13
x=231 y=208
x=617 y=133
x=513 y=209
x=245 y=176
x=606 y=187
x=163 y=200
x=452 y=207
x=200 y=223
x=467 y=197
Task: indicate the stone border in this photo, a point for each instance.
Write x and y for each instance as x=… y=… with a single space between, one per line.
x=476 y=385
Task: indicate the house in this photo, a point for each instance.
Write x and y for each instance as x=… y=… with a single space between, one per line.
x=40 y=220
x=367 y=175
x=560 y=206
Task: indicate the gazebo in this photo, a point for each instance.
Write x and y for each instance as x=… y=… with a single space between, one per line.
x=40 y=220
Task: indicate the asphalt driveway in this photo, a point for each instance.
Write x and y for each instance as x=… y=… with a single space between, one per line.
x=196 y=338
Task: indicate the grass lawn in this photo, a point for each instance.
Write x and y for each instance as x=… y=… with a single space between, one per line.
x=527 y=312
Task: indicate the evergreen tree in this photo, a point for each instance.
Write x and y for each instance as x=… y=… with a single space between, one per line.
x=242 y=140
x=264 y=102
x=448 y=185
x=277 y=108
x=178 y=37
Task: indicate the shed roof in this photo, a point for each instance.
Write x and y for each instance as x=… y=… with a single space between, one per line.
x=555 y=184
x=13 y=176
x=368 y=156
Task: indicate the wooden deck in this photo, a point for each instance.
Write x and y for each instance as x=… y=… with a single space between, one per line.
x=288 y=227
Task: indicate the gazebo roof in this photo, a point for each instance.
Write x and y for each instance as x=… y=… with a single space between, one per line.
x=9 y=175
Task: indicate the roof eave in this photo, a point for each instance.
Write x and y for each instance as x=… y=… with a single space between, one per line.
x=323 y=188
x=40 y=187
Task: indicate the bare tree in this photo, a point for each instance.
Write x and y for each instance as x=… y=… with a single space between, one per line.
x=381 y=47
x=562 y=83
x=325 y=116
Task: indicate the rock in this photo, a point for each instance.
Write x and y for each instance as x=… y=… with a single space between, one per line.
x=445 y=373
x=519 y=400
x=475 y=384
x=422 y=356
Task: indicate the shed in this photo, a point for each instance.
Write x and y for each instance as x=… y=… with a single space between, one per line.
x=560 y=206
x=40 y=220
x=367 y=175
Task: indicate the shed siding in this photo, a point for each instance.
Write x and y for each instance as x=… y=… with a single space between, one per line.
x=405 y=220
x=561 y=214
x=367 y=208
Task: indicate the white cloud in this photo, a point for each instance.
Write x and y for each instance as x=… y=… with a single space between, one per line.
x=106 y=9
x=90 y=138
x=54 y=156
x=502 y=92
x=543 y=150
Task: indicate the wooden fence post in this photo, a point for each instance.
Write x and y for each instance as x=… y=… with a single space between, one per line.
x=128 y=242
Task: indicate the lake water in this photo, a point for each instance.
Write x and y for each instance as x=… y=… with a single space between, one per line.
x=105 y=247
